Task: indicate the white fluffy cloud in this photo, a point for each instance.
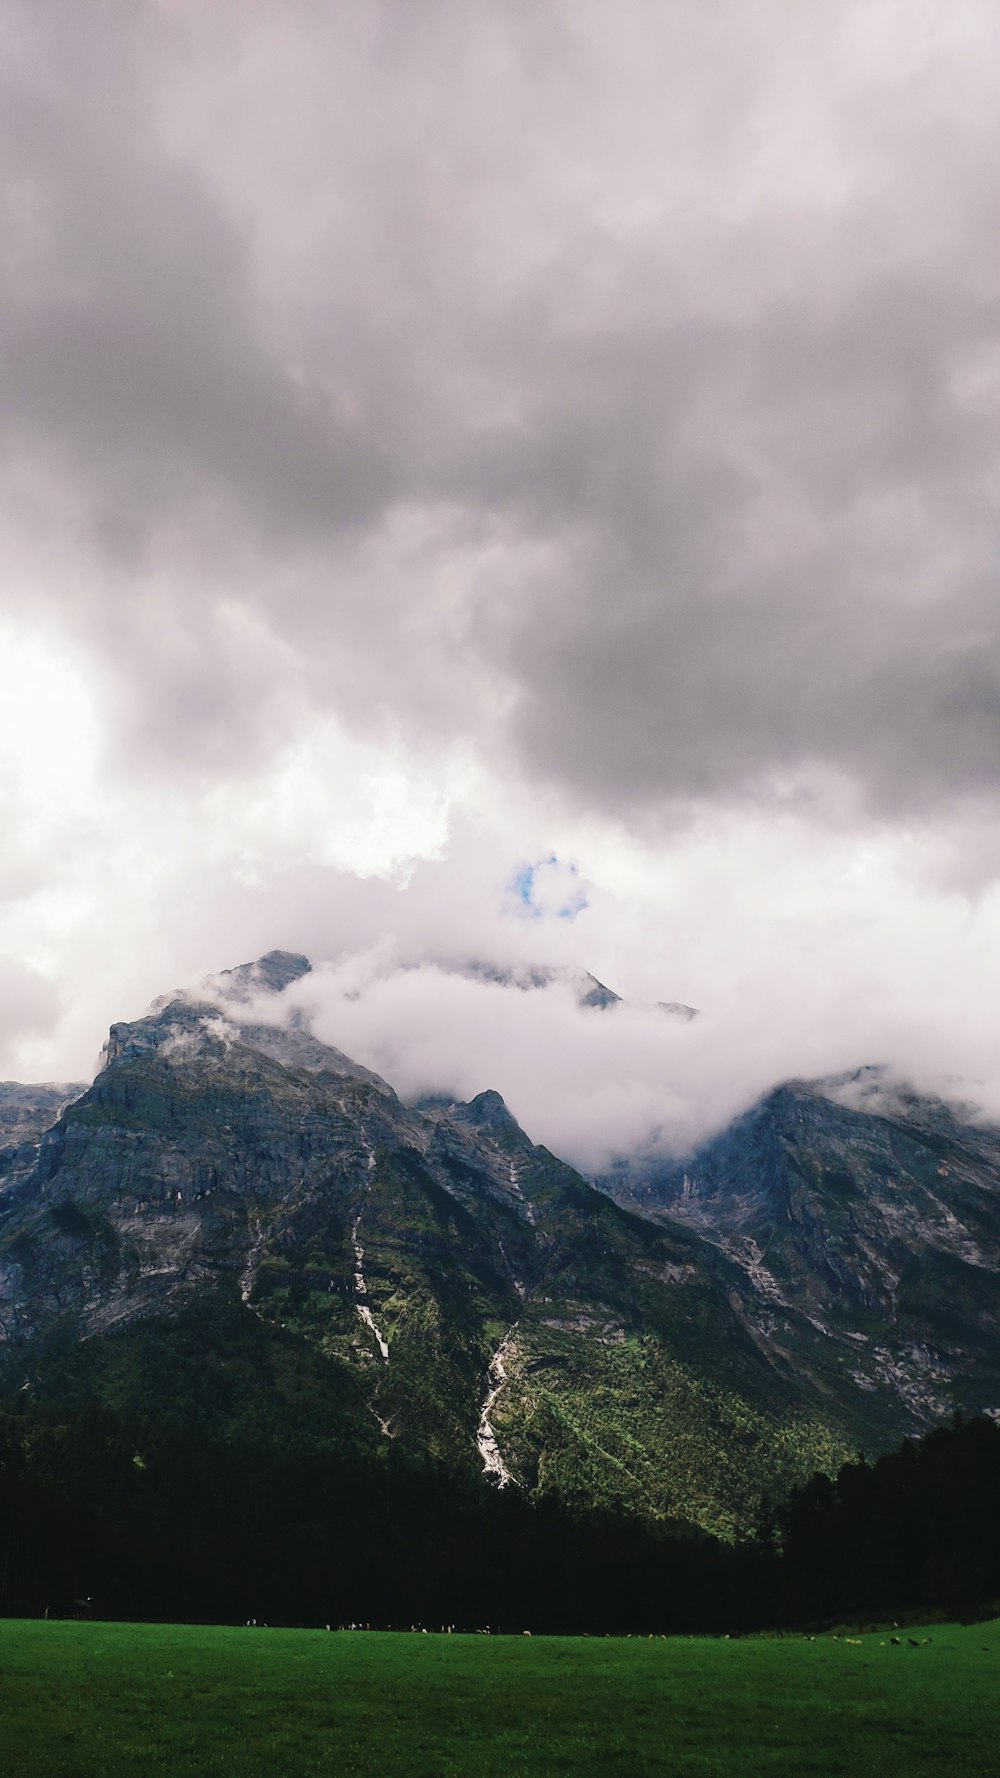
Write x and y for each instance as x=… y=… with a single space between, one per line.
x=881 y=974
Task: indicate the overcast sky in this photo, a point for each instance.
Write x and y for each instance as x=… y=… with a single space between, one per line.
x=438 y=439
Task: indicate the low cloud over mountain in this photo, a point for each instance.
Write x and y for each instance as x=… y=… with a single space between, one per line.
x=588 y=1075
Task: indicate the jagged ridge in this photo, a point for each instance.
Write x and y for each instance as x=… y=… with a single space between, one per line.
x=226 y=1162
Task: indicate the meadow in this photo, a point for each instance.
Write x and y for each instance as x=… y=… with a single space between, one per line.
x=95 y=1700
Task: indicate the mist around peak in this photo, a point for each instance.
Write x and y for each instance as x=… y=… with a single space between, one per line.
x=590 y=1079
x=270 y=974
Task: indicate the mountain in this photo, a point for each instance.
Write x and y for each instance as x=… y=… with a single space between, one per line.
x=26 y=1112
x=238 y=1226
x=585 y=988
x=587 y=991
x=865 y=1219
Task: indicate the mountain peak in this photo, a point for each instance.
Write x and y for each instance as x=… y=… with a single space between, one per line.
x=486 y=1111
x=270 y=974
x=677 y=1009
x=586 y=988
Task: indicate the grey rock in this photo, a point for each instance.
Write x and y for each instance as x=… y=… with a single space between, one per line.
x=217 y=1161
x=871 y=1214
x=26 y=1112
x=270 y=974
x=587 y=990
x=822 y=1276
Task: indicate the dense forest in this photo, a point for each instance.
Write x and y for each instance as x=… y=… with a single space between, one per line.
x=919 y=1529
x=158 y=1523
x=172 y=1527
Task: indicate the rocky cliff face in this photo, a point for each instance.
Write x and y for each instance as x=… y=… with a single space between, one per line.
x=446 y=1283
x=866 y=1222
x=26 y=1112
x=238 y=1221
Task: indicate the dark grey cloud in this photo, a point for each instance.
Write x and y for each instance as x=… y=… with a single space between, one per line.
x=803 y=583
x=134 y=350
x=615 y=391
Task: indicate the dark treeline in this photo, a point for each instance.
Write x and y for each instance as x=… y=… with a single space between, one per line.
x=161 y=1524
x=169 y=1526
x=918 y=1530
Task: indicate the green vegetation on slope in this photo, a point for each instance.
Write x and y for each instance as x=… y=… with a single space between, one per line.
x=619 y=1421
x=286 y=1255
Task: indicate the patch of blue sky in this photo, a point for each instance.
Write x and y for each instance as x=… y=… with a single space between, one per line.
x=548 y=889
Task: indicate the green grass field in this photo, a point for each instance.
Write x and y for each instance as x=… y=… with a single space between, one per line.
x=121 y=1700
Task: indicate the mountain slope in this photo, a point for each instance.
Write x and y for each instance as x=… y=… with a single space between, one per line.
x=238 y=1218
x=26 y=1112
x=865 y=1219
x=588 y=992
